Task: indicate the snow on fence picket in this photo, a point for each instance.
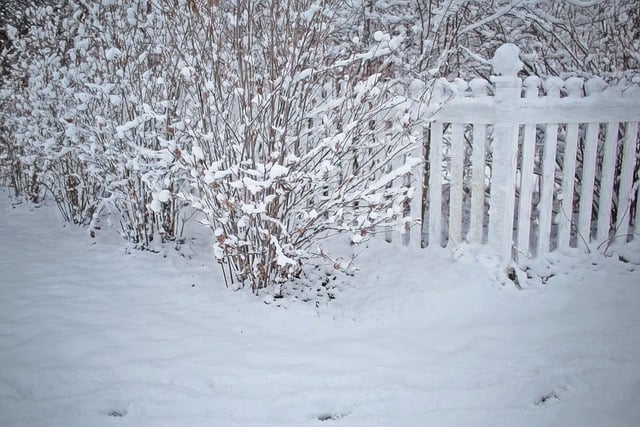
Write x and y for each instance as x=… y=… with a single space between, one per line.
x=527 y=175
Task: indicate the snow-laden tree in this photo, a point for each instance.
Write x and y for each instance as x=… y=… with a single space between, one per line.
x=560 y=37
x=455 y=38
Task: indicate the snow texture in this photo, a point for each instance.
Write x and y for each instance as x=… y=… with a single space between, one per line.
x=92 y=336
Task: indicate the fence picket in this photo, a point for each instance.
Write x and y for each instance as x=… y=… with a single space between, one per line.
x=477 y=183
x=626 y=180
x=606 y=182
x=457 y=171
x=545 y=205
x=636 y=222
x=531 y=84
x=574 y=88
x=435 y=185
x=587 y=184
x=479 y=88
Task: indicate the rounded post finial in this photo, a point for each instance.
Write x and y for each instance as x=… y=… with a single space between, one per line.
x=553 y=85
x=574 y=86
x=506 y=61
x=479 y=87
x=595 y=85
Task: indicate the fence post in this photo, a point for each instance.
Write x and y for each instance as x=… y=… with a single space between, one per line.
x=506 y=64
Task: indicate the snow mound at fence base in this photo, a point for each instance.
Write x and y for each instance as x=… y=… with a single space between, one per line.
x=93 y=336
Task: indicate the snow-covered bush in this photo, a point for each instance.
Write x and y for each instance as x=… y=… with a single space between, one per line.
x=261 y=115
x=130 y=92
x=82 y=91
x=283 y=141
x=33 y=100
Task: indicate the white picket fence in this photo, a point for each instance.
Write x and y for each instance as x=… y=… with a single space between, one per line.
x=529 y=174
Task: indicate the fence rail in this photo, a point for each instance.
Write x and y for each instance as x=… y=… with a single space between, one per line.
x=526 y=173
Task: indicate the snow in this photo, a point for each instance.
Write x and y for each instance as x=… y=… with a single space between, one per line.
x=112 y=53
x=93 y=335
x=156 y=204
x=380 y=36
x=506 y=60
x=304 y=74
x=278 y=171
x=198 y=154
x=115 y=100
x=164 y=196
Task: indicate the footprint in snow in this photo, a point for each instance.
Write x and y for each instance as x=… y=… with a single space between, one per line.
x=327 y=416
x=117 y=413
x=547 y=398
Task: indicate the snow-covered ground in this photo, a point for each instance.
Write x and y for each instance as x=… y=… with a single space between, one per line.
x=93 y=336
